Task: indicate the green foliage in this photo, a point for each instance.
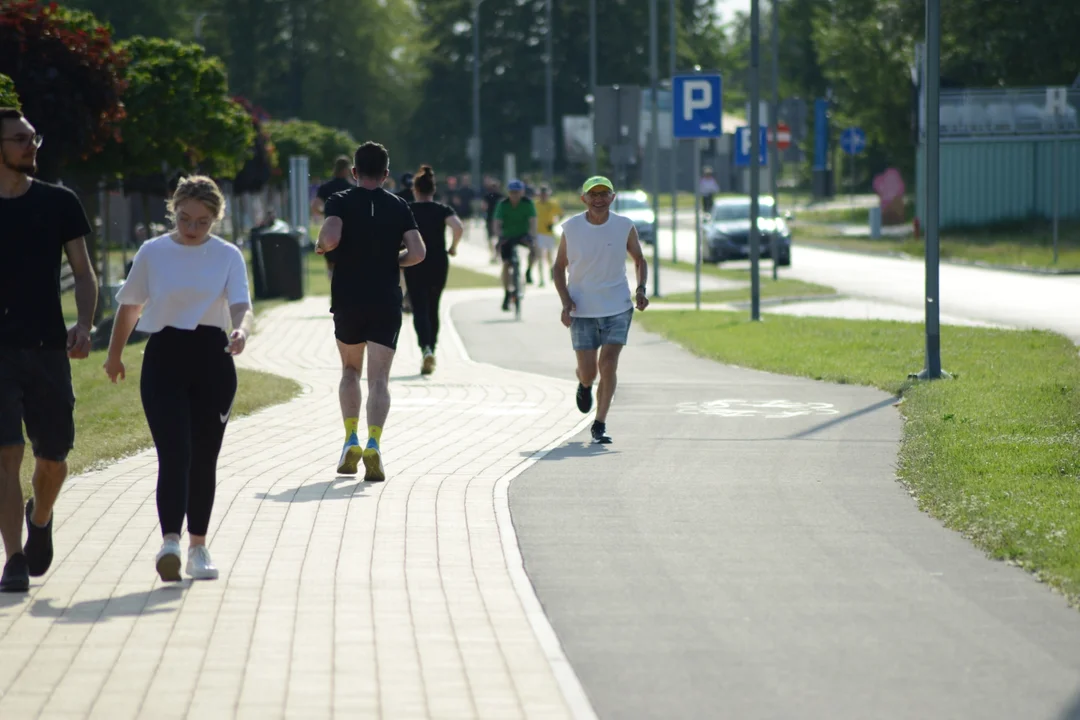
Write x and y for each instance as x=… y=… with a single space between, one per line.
x=68 y=75
x=161 y=18
x=322 y=145
x=8 y=96
x=180 y=116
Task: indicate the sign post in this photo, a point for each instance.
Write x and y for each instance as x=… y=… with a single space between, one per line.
x=780 y=143
x=696 y=113
x=853 y=142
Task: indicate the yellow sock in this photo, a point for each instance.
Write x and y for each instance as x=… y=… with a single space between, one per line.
x=375 y=433
x=350 y=426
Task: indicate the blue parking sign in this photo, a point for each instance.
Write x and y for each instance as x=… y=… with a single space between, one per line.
x=698 y=106
x=742 y=147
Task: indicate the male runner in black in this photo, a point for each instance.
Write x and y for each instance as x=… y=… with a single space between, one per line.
x=366 y=226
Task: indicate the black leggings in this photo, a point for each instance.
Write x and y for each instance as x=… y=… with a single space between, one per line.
x=425 y=290
x=188 y=384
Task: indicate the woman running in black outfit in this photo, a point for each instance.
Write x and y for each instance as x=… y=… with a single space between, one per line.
x=186 y=289
x=427 y=280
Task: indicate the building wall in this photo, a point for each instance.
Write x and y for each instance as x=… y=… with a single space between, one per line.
x=988 y=180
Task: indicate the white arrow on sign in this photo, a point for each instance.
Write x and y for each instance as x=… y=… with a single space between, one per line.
x=709 y=127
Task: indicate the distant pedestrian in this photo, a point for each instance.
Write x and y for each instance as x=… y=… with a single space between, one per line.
x=367 y=226
x=187 y=288
x=341 y=181
x=39 y=224
x=590 y=277
x=708 y=187
x=548 y=211
x=427 y=280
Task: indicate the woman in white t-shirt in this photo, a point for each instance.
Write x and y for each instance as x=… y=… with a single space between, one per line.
x=186 y=288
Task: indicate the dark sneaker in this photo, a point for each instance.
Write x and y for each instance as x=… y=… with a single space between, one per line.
x=528 y=276
x=506 y=302
x=39 y=546
x=584 y=398
x=16 y=578
x=599 y=434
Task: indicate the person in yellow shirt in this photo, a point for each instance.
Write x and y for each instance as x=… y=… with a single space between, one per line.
x=548 y=211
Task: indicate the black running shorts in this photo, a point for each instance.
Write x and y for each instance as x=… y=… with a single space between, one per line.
x=35 y=388
x=379 y=324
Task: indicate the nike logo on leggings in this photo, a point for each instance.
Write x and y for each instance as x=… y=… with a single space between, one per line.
x=225 y=415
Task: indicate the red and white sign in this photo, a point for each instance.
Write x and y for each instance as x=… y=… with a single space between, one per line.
x=783 y=132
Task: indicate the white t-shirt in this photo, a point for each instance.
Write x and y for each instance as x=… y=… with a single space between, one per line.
x=597 y=265
x=184 y=286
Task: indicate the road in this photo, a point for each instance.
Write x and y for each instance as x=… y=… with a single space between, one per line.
x=999 y=297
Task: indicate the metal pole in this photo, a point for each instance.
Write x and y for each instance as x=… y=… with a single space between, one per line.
x=477 y=183
x=1057 y=187
x=697 y=226
x=774 y=123
x=851 y=160
x=592 y=79
x=654 y=160
x=933 y=196
x=674 y=159
x=549 y=157
x=755 y=153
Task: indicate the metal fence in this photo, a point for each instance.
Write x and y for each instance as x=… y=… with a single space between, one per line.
x=1015 y=111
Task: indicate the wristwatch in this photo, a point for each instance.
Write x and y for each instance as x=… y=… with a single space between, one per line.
x=640 y=288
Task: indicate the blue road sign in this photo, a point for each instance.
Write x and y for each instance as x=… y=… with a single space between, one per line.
x=698 y=106
x=853 y=141
x=742 y=147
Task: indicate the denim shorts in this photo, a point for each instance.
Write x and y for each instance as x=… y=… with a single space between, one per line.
x=591 y=333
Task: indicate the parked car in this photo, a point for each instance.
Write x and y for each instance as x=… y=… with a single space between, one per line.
x=726 y=230
x=634 y=204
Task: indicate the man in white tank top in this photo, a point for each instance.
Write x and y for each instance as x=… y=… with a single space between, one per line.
x=590 y=275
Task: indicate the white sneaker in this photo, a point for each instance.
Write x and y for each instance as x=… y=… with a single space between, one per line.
x=199 y=564
x=168 y=561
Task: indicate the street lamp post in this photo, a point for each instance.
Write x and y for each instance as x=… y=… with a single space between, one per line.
x=674 y=158
x=592 y=81
x=549 y=152
x=654 y=155
x=475 y=144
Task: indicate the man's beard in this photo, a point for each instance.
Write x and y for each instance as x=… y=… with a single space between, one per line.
x=27 y=168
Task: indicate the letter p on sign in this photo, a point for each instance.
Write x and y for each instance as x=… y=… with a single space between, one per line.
x=697 y=95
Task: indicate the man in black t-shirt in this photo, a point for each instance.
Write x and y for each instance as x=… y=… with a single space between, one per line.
x=342 y=180
x=366 y=227
x=39 y=222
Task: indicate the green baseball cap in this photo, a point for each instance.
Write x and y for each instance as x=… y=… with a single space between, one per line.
x=596 y=181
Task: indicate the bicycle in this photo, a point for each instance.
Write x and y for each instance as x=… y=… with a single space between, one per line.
x=517 y=292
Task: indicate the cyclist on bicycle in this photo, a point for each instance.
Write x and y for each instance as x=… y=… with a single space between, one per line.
x=515 y=224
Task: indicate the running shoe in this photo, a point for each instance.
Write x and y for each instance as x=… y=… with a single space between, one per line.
x=39 y=544
x=16 y=578
x=373 y=466
x=428 y=365
x=199 y=564
x=584 y=398
x=599 y=434
x=168 y=561
x=350 y=456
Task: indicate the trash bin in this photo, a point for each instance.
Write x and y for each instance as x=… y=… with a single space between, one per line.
x=277 y=264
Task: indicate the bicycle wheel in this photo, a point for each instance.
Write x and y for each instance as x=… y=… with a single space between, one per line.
x=516 y=282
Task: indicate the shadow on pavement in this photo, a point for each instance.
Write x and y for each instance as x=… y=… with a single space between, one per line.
x=844 y=418
x=130 y=605
x=335 y=489
x=573 y=450
x=8 y=600
x=1073 y=711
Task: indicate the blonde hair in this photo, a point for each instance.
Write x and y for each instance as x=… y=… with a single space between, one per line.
x=201 y=188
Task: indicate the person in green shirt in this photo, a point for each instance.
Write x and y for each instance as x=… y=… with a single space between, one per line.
x=515 y=224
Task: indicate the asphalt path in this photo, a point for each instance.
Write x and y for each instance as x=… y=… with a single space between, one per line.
x=744 y=550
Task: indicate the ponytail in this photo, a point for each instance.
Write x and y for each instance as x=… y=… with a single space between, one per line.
x=424 y=181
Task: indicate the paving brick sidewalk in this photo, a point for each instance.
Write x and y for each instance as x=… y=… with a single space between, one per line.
x=337 y=598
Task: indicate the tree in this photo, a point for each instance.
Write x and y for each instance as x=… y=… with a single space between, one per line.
x=260 y=167
x=180 y=116
x=68 y=75
x=8 y=96
x=322 y=145
x=128 y=18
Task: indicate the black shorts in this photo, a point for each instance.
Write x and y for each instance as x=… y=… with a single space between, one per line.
x=507 y=245
x=35 y=388
x=379 y=324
